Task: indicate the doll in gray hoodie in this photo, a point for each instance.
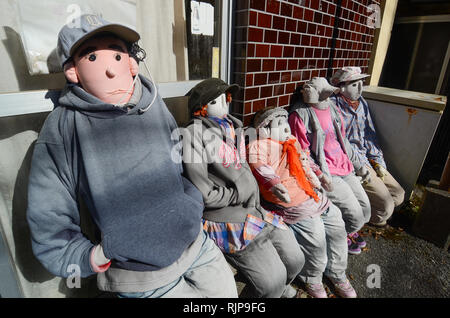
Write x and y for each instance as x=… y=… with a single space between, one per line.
x=256 y=242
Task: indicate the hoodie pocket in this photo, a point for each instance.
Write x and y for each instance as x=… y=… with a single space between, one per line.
x=157 y=236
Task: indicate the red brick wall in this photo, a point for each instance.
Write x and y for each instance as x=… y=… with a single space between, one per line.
x=279 y=44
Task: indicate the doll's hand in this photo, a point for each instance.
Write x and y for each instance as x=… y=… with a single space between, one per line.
x=363 y=172
x=381 y=171
x=98 y=257
x=281 y=192
x=326 y=182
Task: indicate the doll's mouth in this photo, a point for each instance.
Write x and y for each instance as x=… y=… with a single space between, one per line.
x=118 y=91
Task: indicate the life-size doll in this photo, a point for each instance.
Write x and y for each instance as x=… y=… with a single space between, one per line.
x=108 y=143
x=317 y=124
x=256 y=242
x=384 y=192
x=291 y=188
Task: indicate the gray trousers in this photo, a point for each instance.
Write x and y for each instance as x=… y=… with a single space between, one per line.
x=349 y=196
x=208 y=277
x=323 y=240
x=270 y=262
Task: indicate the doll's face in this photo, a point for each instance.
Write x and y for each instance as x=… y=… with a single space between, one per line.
x=104 y=69
x=280 y=129
x=352 y=90
x=218 y=107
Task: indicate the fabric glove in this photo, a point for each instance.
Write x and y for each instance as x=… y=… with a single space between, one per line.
x=281 y=192
x=363 y=172
x=381 y=171
x=326 y=182
x=99 y=261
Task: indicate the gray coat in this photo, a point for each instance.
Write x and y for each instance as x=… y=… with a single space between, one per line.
x=217 y=166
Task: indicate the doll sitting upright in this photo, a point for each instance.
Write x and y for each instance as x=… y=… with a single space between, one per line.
x=291 y=186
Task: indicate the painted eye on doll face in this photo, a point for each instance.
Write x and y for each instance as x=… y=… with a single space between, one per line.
x=92 y=57
x=118 y=57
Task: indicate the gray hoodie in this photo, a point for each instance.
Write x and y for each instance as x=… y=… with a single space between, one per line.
x=120 y=163
x=218 y=168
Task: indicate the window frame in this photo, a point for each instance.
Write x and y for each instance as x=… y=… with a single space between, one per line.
x=37 y=101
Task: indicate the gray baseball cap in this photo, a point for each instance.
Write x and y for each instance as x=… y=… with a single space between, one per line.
x=86 y=26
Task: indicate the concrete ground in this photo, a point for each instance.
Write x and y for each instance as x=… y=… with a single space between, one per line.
x=409 y=267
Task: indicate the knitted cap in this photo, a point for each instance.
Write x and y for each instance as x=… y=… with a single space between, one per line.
x=265 y=116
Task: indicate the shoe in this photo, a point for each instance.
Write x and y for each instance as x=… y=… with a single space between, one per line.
x=353 y=248
x=316 y=290
x=358 y=239
x=380 y=225
x=344 y=289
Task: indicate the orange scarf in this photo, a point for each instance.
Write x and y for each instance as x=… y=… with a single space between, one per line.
x=296 y=169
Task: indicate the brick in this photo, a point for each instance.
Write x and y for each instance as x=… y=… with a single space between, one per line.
x=286 y=77
x=274 y=78
x=298 y=13
x=259 y=105
x=270 y=36
x=308 y=15
x=251 y=93
x=291 y=25
x=252 y=17
x=257 y=5
x=292 y=64
x=249 y=80
x=288 y=51
x=260 y=79
x=306 y=40
x=278 y=90
x=266 y=91
x=255 y=35
x=281 y=65
x=276 y=51
x=278 y=23
x=250 y=50
x=253 y=65
x=295 y=38
x=284 y=37
x=273 y=6
x=268 y=65
x=302 y=27
x=283 y=100
x=272 y=102
x=286 y=9
x=262 y=50
x=264 y=20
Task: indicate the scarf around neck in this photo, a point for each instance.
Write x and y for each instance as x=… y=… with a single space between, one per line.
x=352 y=103
x=296 y=169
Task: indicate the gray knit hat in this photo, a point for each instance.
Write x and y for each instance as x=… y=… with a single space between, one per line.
x=265 y=116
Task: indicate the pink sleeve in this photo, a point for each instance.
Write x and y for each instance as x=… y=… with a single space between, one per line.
x=298 y=130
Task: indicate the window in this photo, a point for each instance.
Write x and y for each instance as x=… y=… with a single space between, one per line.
x=186 y=41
